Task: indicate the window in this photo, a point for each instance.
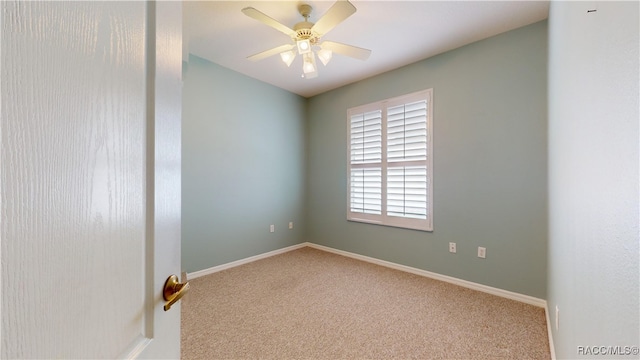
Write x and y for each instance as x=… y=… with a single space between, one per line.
x=390 y=168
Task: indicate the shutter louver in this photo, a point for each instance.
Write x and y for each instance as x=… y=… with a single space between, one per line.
x=407 y=132
x=366 y=148
x=407 y=192
x=366 y=190
x=366 y=138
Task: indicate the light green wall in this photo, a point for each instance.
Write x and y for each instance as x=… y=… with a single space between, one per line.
x=243 y=166
x=594 y=254
x=490 y=164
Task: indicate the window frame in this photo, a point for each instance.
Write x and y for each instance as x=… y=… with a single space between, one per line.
x=383 y=218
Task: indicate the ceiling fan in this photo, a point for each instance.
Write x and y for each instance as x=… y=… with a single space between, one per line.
x=306 y=37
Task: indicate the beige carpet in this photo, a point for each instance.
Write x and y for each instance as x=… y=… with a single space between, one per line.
x=310 y=304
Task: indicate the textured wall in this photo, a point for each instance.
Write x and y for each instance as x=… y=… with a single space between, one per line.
x=490 y=109
x=593 y=175
x=242 y=164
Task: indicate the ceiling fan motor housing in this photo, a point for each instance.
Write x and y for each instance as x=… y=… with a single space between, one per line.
x=303 y=29
x=305 y=33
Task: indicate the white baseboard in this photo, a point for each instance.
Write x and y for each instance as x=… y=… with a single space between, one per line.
x=211 y=270
x=464 y=283
x=552 y=348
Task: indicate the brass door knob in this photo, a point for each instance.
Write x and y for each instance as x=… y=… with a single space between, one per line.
x=173 y=291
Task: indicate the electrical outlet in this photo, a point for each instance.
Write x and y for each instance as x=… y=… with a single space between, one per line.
x=482 y=252
x=557 y=317
x=452 y=247
x=272 y=228
x=290 y=224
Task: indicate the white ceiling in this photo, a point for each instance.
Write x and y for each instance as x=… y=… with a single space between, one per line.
x=398 y=33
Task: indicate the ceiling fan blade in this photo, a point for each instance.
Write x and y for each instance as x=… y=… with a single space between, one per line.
x=347 y=50
x=334 y=16
x=270 y=52
x=260 y=16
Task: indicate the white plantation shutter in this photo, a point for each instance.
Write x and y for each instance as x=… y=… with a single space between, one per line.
x=407 y=144
x=366 y=149
x=407 y=132
x=366 y=138
x=390 y=166
x=366 y=190
x=407 y=192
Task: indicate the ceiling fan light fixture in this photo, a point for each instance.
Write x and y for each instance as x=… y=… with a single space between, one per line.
x=325 y=56
x=288 y=56
x=309 y=66
x=304 y=46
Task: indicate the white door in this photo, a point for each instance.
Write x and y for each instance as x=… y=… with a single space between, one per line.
x=90 y=178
